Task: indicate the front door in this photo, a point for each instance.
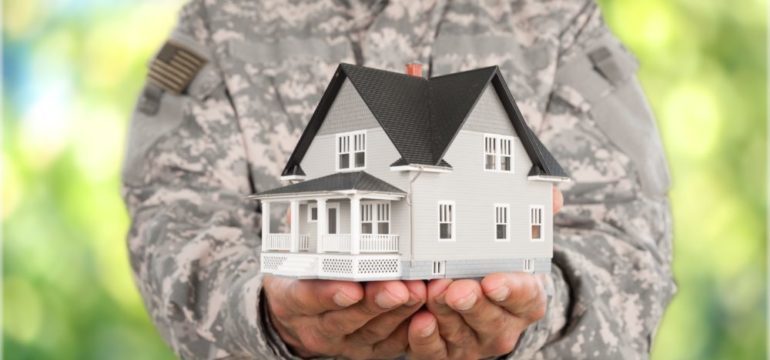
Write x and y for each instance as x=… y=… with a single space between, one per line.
x=333 y=218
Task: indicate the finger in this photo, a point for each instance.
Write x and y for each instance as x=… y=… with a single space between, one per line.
x=382 y=326
x=520 y=294
x=395 y=345
x=488 y=320
x=380 y=297
x=452 y=327
x=424 y=339
x=310 y=297
x=558 y=200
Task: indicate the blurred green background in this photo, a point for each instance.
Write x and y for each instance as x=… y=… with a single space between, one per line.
x=71 y=72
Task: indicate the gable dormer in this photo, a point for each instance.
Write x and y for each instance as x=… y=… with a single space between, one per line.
x=421 y=118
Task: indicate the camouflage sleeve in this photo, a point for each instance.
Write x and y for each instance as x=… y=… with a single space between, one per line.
x=193 y=243
x=611 y=279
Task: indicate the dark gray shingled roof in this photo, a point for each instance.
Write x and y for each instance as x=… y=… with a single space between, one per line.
x=422 y=116
x=358 y=180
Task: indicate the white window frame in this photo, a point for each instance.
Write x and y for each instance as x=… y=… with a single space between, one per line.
x=536 y=214
x=438 y=268
x=353 y=142
x=501 y=145
x=310 y=208
x=440 y=218
x=528 y=265
x=502 y=218
x=375 y=216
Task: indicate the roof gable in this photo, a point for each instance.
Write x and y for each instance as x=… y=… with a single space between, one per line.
x=422 y=116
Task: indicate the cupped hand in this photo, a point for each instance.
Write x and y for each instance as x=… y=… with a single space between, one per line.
x=470 y=319
x=340 y=318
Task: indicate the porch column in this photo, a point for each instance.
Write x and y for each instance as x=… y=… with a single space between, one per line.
x=355 y=224
x=294 y=226
x=265 y=223
x=322 y=222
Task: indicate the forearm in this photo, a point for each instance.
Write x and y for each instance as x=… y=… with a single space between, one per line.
x=196 y=263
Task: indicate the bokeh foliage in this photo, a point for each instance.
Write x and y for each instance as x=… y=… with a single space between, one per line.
x=71 y=73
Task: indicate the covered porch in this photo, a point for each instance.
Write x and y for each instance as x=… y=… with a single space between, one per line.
x=343 y=213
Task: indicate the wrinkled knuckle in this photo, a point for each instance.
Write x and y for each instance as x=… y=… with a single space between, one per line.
x=331 y=327
x=314 y=343
x=458 y=337
x=370 y=334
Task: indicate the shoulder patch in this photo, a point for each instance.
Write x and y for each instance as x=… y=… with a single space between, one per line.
x=175 y=67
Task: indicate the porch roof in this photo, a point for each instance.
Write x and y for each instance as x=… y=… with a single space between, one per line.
x=337 y=182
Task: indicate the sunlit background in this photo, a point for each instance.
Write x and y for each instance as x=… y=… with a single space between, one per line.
x=71 y=73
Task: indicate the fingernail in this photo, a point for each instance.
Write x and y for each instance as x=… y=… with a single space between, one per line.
x=412 y=301
x=466 y=302
x=428 y=330
x=500 y=293
x=385 y=300
x=342 y=299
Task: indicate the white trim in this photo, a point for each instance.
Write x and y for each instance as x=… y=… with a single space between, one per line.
x=507 y=223
x=293 y=177
x=370 y=210
x=536 y=214
x=327 y=195
x=352 y=146
x=498 y=144
x=425 y=168
x=438 y=268
x=310 y=208
x=528 y=265
x=452 y=214
x=549 y=178
x=333 y=205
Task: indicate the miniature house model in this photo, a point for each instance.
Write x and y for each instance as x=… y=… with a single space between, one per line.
x=401 y=177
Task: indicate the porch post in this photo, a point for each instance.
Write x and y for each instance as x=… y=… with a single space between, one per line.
x=355 y=224
x=265 y=224
x=294 y=226
x=322 y=222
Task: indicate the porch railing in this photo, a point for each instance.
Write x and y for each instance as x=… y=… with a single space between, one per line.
x=335 y=243
x=283 y=242
x=379 y=243
x=369 y=243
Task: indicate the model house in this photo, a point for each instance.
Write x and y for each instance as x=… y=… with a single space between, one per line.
x=401 y=177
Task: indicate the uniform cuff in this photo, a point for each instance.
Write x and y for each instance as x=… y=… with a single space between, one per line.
x=537 y=335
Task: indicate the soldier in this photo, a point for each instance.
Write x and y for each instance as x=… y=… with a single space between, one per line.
x=226 y=100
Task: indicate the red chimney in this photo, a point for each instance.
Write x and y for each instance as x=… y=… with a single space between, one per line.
x=413 y=69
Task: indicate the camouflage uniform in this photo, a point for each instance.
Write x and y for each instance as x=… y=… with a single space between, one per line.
x=194 y=241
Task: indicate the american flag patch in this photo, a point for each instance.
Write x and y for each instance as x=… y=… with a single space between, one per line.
x=175 y=67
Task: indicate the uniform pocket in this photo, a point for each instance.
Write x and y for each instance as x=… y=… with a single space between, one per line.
x=605 y=78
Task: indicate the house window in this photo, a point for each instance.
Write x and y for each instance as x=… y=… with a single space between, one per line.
x=438 y=268
x=502 y=221
x=367 y=226
x=375 y=218
x=446 y=221
x=312 y=213
x=351 y=151
x=383 y=218
x=536 y=223
x=529 y=265
x=498 y=153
